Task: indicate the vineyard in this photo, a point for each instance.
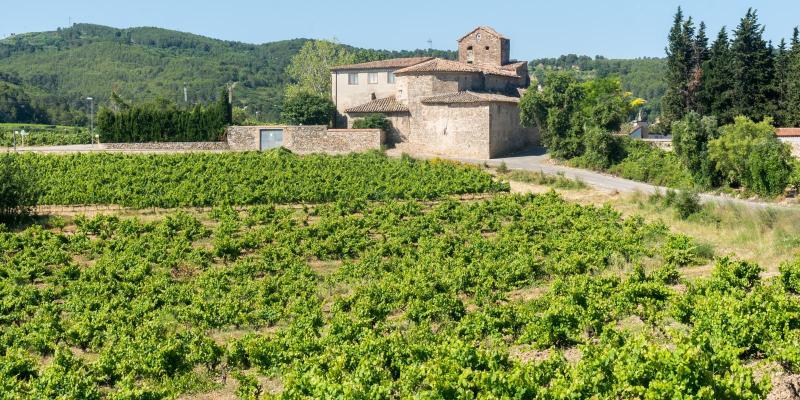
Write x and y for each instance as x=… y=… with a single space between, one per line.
x=43 y=135
x=200 y=180
x=374 y=291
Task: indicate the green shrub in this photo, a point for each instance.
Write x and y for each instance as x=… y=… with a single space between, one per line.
x=305 y=108
x=769 y=168
x=690 y=138
x=749 y=154
x=373 y=121
x=601 y=149
x=790 y=276
x=667 y=274
x=16 y=195
x=502 y=168
x=249 y=388
x=736 y=274
x=687 y=203
x=680 y=250
x=645 y=163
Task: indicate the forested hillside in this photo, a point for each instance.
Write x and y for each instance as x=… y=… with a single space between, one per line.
x=57 y=69
x=642 y=76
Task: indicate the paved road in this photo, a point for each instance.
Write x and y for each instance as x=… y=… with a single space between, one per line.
x=538 y=160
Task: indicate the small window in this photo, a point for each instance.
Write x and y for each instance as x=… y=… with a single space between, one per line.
x=352 y=79
x=478 y=37
x=390 y=77
x=372 y=77
x=487 y=47
x=470 y=55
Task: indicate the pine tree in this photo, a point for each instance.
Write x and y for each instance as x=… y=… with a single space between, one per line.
x=679 y=66
x=752 y=74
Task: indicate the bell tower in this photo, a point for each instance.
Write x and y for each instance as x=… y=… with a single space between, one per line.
x=484 y=46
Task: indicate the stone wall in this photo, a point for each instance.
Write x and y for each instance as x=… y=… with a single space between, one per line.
x=507 y=135
x=333 y=141
x=459 y=130
x=663 y=144
x=244 y=138
x=167 y=146
x=401 y=125
x=489 y=50
x=308 y=139
x=794 y=142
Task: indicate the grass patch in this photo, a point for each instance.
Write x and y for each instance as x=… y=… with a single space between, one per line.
x=558 y=181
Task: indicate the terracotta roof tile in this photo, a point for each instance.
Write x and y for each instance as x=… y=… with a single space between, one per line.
x=501 y=71
x=439 y=65
x=388 y=104
x=442 y=65
x=390 y=63
x=787 y=132
x=468 y=97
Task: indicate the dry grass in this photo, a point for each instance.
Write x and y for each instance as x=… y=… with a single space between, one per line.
x=767 y=236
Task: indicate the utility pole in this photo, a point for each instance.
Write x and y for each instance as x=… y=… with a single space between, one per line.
x=230 y=91
x=185 y=94
x=91 y=118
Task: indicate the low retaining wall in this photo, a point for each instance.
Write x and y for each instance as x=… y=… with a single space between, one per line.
x=663 y=144
x=167 y=146
x=308 y=139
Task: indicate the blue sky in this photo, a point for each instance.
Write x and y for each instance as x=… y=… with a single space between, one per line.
x=614 y=28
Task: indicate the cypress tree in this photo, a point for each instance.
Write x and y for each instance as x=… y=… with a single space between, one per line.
x=679 y=67
x=717 y=87
x=792 y=79
x=752 y=73
x=781 y=84
x=699 y=57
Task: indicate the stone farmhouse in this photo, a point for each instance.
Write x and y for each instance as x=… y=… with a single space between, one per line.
x=466 y=108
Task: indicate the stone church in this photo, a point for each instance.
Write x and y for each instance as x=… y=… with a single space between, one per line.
x=467 y=108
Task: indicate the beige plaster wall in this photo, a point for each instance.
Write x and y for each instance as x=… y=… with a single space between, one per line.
x=346 y=96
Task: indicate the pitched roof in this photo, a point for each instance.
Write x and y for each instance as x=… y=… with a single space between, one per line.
x=509 y=70
x=469 y=97
x=387 y=104
x=390 y=63
x=439 y=65
x=787 y=132
x=487 y=29
x=442 y=65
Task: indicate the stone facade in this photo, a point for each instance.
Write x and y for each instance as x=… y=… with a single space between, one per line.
x=467 y=108
x=507 y=135
x=457 y=129
x=308 y=139
x=484 y=46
